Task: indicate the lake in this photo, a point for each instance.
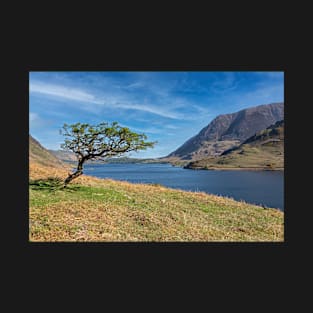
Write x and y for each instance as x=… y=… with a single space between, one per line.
x=259 y=187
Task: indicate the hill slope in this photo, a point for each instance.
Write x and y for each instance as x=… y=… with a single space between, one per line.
x=264 y=150
x=229 y=130
x=38 y=154
x=65 y=156
x=93 y=209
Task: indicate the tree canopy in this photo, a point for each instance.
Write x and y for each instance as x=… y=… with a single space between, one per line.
x=100 y=141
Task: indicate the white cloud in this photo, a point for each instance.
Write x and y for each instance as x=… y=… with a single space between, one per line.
x=227 y=84
x=35 y=120
x=171 y=127
x=261 y=95
x=107 y=101
x=33 y=117
x=169 y=108
x=271 y=75
x=61 y=91
x=134 y=86
x=150 y=109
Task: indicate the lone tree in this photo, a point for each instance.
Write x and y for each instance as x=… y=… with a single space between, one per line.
x=97 y=142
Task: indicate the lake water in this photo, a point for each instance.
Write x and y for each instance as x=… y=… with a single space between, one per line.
x=259 y=187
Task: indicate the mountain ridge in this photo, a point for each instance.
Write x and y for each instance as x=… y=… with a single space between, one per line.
x=229 y=130
x=264 y=150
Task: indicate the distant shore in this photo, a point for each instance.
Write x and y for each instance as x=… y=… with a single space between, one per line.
x=235 y=168
x=186 y=166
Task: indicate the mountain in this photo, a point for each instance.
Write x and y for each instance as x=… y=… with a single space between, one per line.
x=272 y=134
x=69 y=157
x=65 y=156
x=263 y=150
x=38 y=154
x=229 y=130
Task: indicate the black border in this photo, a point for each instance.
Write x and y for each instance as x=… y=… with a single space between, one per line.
x=254 y=251
x=253 y=276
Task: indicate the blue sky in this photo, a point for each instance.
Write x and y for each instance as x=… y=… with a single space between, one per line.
x=169 y=107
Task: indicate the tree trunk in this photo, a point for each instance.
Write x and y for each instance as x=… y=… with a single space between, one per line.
x=79 y=171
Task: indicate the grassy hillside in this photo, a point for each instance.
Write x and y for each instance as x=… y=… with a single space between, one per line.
x=264 y=150
x=64 y=156
x=38 y=154
x=93 y=209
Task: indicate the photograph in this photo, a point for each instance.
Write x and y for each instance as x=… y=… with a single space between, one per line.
x=156 y=156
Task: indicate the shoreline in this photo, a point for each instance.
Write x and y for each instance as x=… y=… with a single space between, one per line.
x=236 y=169
x=197 y=168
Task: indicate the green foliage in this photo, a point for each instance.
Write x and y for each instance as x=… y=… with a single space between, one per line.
x=97 y=142
x=102 y=140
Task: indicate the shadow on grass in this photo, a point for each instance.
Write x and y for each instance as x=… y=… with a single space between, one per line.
x=49 y=184
x=52 y=184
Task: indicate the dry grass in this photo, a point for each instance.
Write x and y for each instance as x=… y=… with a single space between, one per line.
x=93 y=209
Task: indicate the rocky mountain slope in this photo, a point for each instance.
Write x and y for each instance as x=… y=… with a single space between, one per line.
x=229 y=130
x=263 y=150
